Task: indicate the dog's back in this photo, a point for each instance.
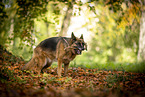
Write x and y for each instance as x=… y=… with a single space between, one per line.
x=51 y=43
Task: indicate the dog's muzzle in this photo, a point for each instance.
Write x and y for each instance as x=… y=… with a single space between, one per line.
x=77 y=51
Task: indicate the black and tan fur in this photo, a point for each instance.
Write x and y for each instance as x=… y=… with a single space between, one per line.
x=61 y=49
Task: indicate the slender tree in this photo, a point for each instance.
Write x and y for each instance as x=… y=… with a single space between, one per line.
x=141 y=52
x=67 y=18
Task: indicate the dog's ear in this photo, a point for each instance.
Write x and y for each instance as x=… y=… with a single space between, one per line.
x=85 y=46
x=73 y=36
x=81 y=36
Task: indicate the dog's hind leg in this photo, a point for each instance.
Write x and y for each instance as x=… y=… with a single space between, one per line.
x=40 y=63
x=48 y=64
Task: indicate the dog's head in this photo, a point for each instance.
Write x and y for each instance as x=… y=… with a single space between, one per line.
x=78 y=44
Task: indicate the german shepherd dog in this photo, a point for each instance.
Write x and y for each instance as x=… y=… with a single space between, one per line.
x=61 y=49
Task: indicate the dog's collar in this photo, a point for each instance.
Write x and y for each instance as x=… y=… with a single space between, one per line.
x=65 y=42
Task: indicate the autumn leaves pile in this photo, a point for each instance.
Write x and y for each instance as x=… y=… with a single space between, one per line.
x=80 y=82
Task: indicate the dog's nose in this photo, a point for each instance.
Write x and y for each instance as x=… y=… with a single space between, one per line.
x=83 y=49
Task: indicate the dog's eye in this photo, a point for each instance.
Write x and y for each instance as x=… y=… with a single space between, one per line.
x=78 y=43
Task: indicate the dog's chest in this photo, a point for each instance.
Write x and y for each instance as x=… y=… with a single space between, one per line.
x=69 y=56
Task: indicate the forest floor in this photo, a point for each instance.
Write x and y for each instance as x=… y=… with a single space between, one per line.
x=80 y=82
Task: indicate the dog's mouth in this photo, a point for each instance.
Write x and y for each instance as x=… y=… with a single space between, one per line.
x=78 y=51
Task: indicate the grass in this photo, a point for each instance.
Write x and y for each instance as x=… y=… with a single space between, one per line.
x=111 y=66
x=128 y=67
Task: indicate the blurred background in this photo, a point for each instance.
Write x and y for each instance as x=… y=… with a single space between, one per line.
x=113 y=29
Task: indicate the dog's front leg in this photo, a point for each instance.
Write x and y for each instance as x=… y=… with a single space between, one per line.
x=59 y=68
x=66 y=68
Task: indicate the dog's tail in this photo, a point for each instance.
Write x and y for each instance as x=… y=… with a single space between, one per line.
x=29 y=65
x=32 y=64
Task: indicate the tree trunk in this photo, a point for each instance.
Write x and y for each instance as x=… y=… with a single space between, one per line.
x=47 y=28
x=141 y=52
x=66 y=20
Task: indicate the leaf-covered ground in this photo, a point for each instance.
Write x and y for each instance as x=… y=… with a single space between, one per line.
x=80 y=82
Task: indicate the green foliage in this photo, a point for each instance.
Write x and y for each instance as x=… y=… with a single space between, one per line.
x=21 y=14
x=109 y=43
x=17 y=28
x=3 y=14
